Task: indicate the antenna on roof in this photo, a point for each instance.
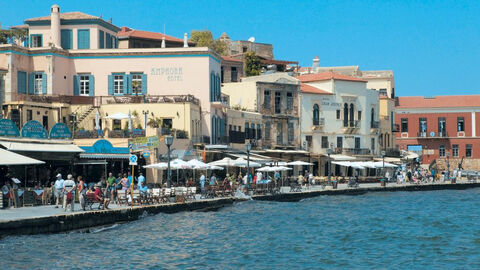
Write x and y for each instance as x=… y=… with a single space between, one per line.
x=163 y=37
x=251 y=39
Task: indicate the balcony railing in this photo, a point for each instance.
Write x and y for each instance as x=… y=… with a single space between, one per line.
x=101 y=100
x=422 y=134
x=176 y=133
x=88 y=134
x=352 y=124
x=319 y=123
x=374 y=124
x=353 y=151
x=436 y=135
x=126 y=133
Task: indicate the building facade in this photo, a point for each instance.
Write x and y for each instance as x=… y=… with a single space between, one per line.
x=440 y=127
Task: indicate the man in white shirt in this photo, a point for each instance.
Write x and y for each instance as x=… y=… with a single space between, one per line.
x=259 y=177
x=58 y=189
x=68 y=187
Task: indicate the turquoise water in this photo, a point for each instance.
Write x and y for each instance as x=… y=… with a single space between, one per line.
x=400 y=230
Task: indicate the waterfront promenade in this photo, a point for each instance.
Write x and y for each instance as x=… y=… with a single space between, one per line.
x=48 y=219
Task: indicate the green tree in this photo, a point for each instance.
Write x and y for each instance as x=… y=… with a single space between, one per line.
x=205 y=39
x=5 y=35
x=252 y=64
x=155 y=122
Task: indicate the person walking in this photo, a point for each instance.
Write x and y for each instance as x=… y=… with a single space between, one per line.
x=58 y=190
x=111 y=185
x=82 y=190
x=202 y=184
x=69 y=193
x=213 y=180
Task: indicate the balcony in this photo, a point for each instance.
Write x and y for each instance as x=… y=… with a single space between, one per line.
x=317 y=125
x=148 y=99
x=375 y=124
x=88 y=134
x=351 y=126
x=432 y=135
x=176 y=133
x=396 y=128
x=353 y=151
x=126 y=133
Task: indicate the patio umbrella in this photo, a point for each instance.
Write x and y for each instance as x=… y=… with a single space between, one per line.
x=278 y=163
x=240 y=162
x=118 y=116
x=380 y=164
x=225 y=162
x=97 y=121
x=299 y=163
x=213 y=167
x=179 y=164
x=158 y=166
x=197 y=165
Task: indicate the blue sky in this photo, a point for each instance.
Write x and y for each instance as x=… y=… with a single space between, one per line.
x=432 y=46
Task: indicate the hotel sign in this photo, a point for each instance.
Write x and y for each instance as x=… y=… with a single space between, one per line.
x=33 y=129
x=8 y=128
x=173 y=74
x=60 y=131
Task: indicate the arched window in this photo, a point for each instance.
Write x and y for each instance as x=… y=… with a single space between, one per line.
x=316 y=115
x=345 y=115
x=352 y=119
x=372 y=118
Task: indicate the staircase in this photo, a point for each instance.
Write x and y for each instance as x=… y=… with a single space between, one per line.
x=85 y=114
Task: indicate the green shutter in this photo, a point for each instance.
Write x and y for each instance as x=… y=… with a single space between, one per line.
x=76 y=85
x=101 y=39
x=108 y=42
x=44 y=83
x=110 y=85
x=31 y=87
x=83 y=36
x=144 y=84
x=126 y=84
x=66 y=39
x=21 y=82
x=91 y=81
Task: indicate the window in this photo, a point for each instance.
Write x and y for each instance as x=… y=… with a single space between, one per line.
x=404 y=124
x=118 y=84
x=259 y=131
x=373 y=144
x=167 y=123
x=357 y=142
x=291 y=132
x=266 y=99
x=15 y=116
x=352 y=113
x=230 y=127
x=422 y=127
x=324 y=142
x=279 y=133
x=289 y=100
x=338 y=114
x=359 y=114
x=35 y=41
x=308 y=138
x=83 y=39
x=108 y=41
x=38 y=84
x=278 y=102
x=233 y=74
x=442 y=129
x=252 y=130
x=441 y=150
x=84 y=85
x=339 y=142
x=244 y=49
x=268 y=128
x=460 y=124
x=117 y=124
x=247 y=130
x=468 y=150
x=29 y=115
x=380 y=140
x=221 y=74
x=66 y=39
x=136 y=84
x=316 y=115
x=372 y=119
x=345 y=115
x=383 y=92
x=455 y=150
x=21 y=82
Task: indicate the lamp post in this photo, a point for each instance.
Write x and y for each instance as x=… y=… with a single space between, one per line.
x=329 y=152
x=169 y=142
x=384 y=182
x=145 y=120
x=448 y=166
x=249 y=147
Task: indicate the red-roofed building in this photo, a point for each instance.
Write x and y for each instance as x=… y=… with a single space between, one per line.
x=439 y=126
x=324 y=76
x=131 y=38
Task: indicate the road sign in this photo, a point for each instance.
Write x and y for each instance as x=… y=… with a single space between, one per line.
x=146 y=154
x=133 y=160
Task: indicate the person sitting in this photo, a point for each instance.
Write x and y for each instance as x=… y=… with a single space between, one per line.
x=100 y=198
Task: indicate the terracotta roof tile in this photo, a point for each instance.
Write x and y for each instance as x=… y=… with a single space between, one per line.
x=323 y=76
x=227 y=58
x=76 y=15
x=438 y=102
x=127 y=32
x=305 y=88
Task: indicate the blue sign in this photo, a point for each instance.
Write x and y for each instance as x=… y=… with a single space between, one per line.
x=146 y=154
x=105 y=147
x=33 y=129
x=60 y=131
x=133 y=159
x=8 y=128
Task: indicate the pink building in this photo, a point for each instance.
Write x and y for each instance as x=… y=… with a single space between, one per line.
x=75 y=56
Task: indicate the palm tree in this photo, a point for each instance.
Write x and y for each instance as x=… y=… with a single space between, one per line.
x=155 y=122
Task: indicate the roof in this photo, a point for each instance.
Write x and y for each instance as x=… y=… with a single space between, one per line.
x=327 y=76
x=103 y=156
x=8 y=158
x=305 y=88
x=41 y=147
x=75 y=15
x=132 y=33
x=438 y=101
x=226 y=58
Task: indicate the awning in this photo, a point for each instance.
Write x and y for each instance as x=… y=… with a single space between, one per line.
x=41 y=147
x=91 y=162
x=104 y=156
x=8 y=158
x=255 y=157
x=341 y=157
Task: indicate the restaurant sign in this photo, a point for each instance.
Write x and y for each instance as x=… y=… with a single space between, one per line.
x=143 y=143
x=8 y=128
x=60 y=131
x=33 y=129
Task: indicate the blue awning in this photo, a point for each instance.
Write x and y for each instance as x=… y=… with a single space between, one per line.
x=104 y=156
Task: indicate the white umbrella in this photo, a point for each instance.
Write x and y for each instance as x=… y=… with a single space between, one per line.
x=159 y=166
x=179 y=164
x=228 y=162
x=380 y=164
x=299 y=163
x=264 y=169
x=240 y=162
x=277 y=163
x=97 y=121
x=198 y=165
x=118 y=116
x=129 y=121
x=213 y=167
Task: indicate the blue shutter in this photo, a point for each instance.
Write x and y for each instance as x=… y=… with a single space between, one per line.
x=110 y=85
x=31 y=87
x=101 y=39
x=126 y=85
x=66 y=39
x=212 y=95
x=44 y=83
x=108 y=39
x=21 y=82
x=76 y=85
x=91 y=80
x=83 y=36
x=144 y=84
x=25 y=42
x=213 y=130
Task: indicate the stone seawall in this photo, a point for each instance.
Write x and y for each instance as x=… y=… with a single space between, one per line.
x=87 y=219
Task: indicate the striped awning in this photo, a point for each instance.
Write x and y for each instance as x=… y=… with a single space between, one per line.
x=104 y=156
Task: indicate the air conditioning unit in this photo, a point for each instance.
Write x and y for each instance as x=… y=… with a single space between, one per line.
x=461 y=134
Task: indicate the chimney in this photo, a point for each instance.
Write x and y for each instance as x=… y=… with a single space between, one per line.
x=185 y=40
x=163 y=41
x=316 y=63
x=55 y=26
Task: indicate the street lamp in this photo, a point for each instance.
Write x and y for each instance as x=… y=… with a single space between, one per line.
x=249 y=147
x=169 y=142
x=448 y=166
x=384 y=182
x=329 y=152
x=145 y=119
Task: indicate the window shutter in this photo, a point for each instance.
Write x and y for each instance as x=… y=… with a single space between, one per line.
x=76 y=85
x=21 y=82
x=110 y=85
x=44 y=83
x=101 y=39
x=41 y=42
x=144 y=84
x=31 y=87
x=91 y=80
x=126 y=84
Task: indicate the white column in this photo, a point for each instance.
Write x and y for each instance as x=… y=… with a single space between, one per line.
x=55 y=26
x=474 y=132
